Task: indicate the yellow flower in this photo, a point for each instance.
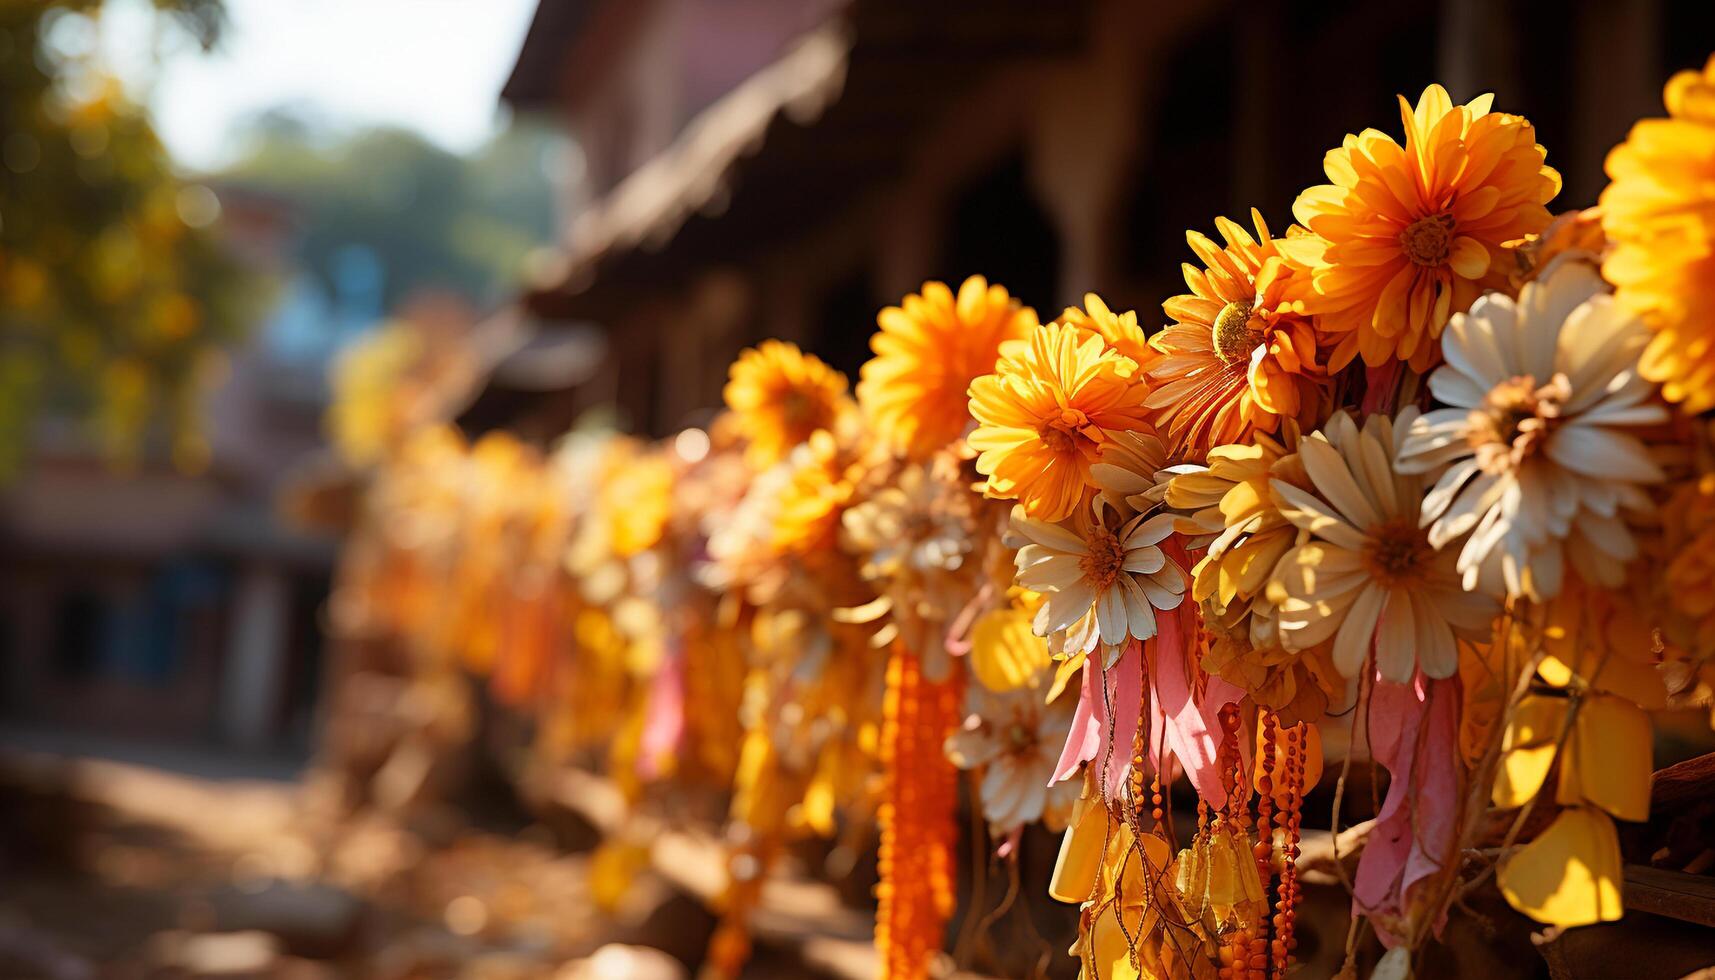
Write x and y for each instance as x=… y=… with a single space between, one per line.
x=1119 y=330
x=1369 y=577
x=1230 y=499
x=779 y=395
x=1538 y=455
x=637 y=499
x=1044 y=415
x=928 y=351
x=1403 y=238
x=807 y=521
x=1659 y=211
x=1238 y=356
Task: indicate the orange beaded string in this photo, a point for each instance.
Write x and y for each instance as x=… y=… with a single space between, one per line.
x=1263 y=849
x=917 y=817
x=1288 y=820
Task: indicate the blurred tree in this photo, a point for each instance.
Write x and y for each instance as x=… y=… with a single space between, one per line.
x=114 y=292
x=429 y=217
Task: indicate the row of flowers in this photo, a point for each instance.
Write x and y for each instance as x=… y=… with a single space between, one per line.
x=1429 y=466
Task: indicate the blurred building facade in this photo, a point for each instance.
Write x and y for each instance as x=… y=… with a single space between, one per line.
x=161 y=604
x=784 y=168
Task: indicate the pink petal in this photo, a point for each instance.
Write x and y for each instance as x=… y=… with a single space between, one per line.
x=1420 y=799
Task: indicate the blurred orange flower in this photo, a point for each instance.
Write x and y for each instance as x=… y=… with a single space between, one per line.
x=928 y=351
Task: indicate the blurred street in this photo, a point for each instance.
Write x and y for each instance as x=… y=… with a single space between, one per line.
x=180 y=863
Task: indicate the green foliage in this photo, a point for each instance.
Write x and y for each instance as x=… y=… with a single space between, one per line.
x=432 y=218
x=114 y=292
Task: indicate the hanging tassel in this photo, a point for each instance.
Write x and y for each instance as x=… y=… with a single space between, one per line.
x=918 y=824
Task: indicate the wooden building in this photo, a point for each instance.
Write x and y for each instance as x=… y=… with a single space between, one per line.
x=784 y=168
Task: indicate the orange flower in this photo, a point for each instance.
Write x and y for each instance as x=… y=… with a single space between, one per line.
x=1045 y=412
x=807 y=523
x=1120 y=330
x=1405 y=238
x=1660 y=212
x=779 y=395
x=928 y=351
x=1238 y=356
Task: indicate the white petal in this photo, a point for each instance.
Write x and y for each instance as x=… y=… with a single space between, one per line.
x=1396 y=638
x=1602 y=454
x=1352 y=643
x=1314 y=516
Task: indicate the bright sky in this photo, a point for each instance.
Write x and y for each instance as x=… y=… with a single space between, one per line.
x=435 y=66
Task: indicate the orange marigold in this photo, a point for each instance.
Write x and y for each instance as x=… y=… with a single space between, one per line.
x=1238 y=355
x=779 y=395
x=928 y=351
x=1044 y=414
x=1120 y=330
x=1406 y=237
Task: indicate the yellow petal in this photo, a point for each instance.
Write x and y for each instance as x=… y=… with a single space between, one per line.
x=1005 y=654
x=1112 y=945
x=1064 y=672
x=1608 y=760
x=613 y=867
x=1638 y=682
x=1570 y=875
x=1080 y=857
x=1527 y=749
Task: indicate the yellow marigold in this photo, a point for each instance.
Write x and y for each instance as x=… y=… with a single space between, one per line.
x=1238 y=355
x=1043 y=416
x=928 y=351
x=637 y=499
x=1120 y=330
x=779 y=395
x=807 y=522
x=1231 y=500
x=1403 y=238
x=1660 y=212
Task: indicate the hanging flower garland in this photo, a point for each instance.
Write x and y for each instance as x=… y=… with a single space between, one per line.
x=1424 y=465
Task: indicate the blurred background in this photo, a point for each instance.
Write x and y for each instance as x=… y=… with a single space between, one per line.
x=241 y=238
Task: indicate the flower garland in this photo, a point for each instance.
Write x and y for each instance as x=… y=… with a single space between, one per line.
x=1425 y=465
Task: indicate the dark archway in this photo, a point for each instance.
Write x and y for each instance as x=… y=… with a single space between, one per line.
x=844 y=321
x=998 y=230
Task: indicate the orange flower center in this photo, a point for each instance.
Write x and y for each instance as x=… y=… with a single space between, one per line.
x=798 y=409
x=1101 y=564
x=1232 y=335
x=1063 y=434
x=1428 y=240
x=1398 y=553
x=1515 y=420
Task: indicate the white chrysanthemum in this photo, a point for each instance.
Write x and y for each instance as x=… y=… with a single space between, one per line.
x=1536 y=454
x=1368 y=578
x=1097 y=566
x=1016 y=740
